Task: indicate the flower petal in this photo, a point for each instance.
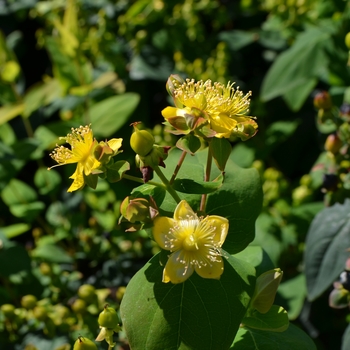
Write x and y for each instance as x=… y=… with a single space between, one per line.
x=176 y=271
x=223 y=125
x=162 y=226
x=115 y=144
x=169 y=112
x=183 y=211
x=78 y=178
x=214 y=270
x=221 y=225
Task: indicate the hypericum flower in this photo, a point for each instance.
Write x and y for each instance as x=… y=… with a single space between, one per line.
x=224 y=107
x=82 y=149
x=194 y=243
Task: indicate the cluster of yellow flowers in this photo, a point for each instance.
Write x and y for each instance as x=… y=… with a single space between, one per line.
x=208 y=110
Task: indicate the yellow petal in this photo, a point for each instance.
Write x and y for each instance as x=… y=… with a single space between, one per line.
x=169 y=112
x=214 y=270
x=162 y=225
x=221 y=225
x=223 y=125
x=78 y=180
x=183 y=211
x=115 y=144
x=176 y=271
x=90 y=164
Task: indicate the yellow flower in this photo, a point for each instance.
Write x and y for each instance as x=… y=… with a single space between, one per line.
x=194 y=243
x=81 y=152
x=224 y=107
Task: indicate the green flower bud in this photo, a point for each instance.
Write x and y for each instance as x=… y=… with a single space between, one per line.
x=87 y=293
x=265 y=290
x=79 y=306
x=29 y=301
x=83 y=343
x=135 y=209
x=339 y=298
x=141 y=141
x=45 y=269
x=108 y=318
x=301 y=194
x=8 y=310
x=347 y=40
x=10 y=71
x=333 y=143
x=40 y=313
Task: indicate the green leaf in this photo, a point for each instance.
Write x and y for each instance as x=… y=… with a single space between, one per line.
x=296 y=97
x=346 y=339
x=275 y=320
x=189 y=144
x=220 y=150
x=18 y=192
x=257 y=257
x=116 y=170
x=13 y=257
x=47 y=181
x=109 y=115
x=15 y=230
x=298 y=66
x=198 y=187
x=243 y=155
x=291 y=339
x=239 y=199
x=9 y=112
x=188 y=315
x=293 y=293
x=237 y=39
x=27 y=211
x=325 y=250
x=146 y=190
x=51 y=253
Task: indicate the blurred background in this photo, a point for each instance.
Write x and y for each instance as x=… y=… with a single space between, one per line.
x=65 y=63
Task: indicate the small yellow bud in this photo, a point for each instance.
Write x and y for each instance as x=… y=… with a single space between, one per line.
x=347 y=40
x=333 y=143
x=8 y=310
x=79 y=306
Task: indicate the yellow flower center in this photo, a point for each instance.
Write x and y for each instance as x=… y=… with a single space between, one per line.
x=190 y=243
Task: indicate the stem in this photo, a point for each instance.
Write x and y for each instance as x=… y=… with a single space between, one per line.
x=206 y=178
x=178 y=166
x=137 y=179
x=168 y=187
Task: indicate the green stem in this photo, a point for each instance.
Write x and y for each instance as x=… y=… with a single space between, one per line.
x=206 y=178
x=168 y=187
x=137 y=179
x=178 y=166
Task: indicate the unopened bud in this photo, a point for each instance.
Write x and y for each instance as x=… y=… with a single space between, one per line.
x=87 y=293
x=29 y=301
x=322 y=100
x=83 y=343
x=8 y=310
x=79 y=306
x=347 y=40
x=338 y=298
x=333 y=143
x=136 y=209
x=141 y=142
x=108 y=318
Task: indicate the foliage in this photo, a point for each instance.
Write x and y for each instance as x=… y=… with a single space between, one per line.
x=66 y=63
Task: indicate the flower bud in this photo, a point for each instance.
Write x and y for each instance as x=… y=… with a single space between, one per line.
x=29 y=301
x=265 y=290
x=338 y=298
x=83 y=343
x=301 y=194
x=87 y=293
x=8 y=310
x=333 y=143
x=141 y=141
x=108 y=318
x=347 y=40
x=79 y=306
x=40 y=313
x=172 y=83
x=135 y=209
x=322 y=100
